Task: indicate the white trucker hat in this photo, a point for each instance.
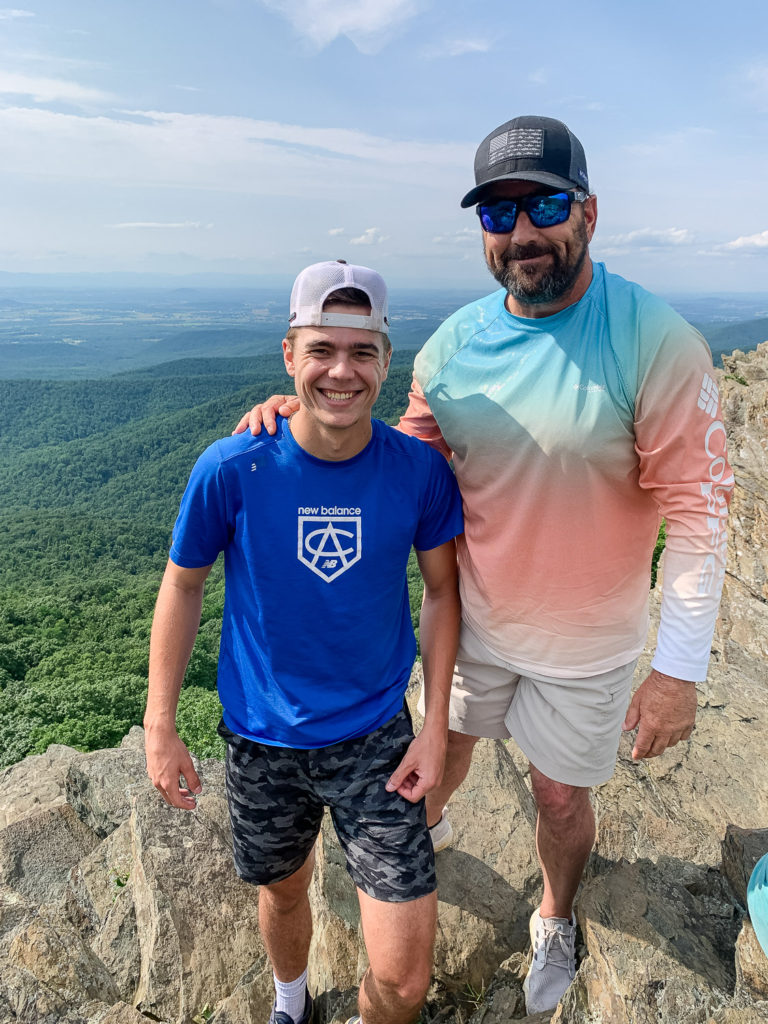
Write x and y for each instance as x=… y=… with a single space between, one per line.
x=316 y=282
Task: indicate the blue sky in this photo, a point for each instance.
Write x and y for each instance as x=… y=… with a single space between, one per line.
x=256 y=136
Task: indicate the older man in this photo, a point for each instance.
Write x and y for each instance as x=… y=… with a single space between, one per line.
x=578 y=410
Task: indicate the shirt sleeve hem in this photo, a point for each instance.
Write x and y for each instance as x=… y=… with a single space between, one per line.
x=188 y=563
x=690 y=672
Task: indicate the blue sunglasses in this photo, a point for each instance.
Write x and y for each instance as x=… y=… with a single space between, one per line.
x=500 y=216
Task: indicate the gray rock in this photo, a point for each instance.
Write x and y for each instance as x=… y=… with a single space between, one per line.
x=197 y=921
x=654 y=953
x=99 y=786
x=50 y=949
x=755 y=1014
x=34 y=784
x=751 y=967
x=99 y=901
x=742 y=848
x=489 y=881
x=38 y=851
x=504 y=1000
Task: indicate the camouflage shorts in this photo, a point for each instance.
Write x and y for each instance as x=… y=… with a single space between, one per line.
x=277 y=796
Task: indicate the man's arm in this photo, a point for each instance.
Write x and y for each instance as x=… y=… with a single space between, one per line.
x=419 y=421
x=174 y=628
x=680 y=441
x=422 y=767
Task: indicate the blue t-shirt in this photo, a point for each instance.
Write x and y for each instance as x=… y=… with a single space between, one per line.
x=316 y=644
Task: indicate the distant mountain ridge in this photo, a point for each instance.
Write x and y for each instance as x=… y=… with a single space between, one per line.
x=745 y=336
x=70 y=335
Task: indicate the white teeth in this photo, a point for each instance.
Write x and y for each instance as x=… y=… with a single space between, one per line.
x=338 y=396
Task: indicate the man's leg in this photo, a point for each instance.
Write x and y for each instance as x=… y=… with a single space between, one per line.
x=285 y=922
x=458 y=758
x=399 y=938
x=565 y=835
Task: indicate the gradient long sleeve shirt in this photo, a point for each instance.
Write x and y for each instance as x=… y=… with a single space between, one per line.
x=572 y=436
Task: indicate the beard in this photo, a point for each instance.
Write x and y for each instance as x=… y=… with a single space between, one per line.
x=532 y=286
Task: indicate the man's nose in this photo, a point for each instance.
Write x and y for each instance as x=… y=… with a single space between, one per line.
x=524 y=229
x=341 y=367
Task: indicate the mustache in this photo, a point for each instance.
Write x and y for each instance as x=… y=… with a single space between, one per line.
x=526 y=252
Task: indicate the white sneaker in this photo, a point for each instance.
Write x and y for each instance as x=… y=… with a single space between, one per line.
x=441 y=834
x=553 y=964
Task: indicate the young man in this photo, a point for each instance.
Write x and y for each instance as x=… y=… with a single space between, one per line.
x=316 y=524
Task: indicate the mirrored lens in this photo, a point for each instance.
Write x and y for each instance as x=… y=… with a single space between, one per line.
x=546 y=211
x=498 y=218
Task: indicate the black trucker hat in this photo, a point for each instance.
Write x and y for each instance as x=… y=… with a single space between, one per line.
x=529 y=149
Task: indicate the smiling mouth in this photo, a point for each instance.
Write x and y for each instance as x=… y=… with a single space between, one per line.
x=338 y=396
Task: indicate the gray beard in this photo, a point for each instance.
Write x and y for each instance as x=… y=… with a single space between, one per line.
x=546 y=288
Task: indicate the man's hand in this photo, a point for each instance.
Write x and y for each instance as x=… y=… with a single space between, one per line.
x=167 y=759
x=422 y=767
x=263 y=415
x=665 y=710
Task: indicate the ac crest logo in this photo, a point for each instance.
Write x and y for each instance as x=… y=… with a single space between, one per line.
x=329 y=545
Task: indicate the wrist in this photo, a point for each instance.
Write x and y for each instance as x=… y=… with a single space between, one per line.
x=159 y=722
x=664 y=677
x=436 y=726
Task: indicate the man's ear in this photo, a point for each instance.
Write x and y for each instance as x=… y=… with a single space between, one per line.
x=590 y=216
x=288 y=358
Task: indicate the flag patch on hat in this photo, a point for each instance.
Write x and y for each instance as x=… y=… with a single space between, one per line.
x=516 y=144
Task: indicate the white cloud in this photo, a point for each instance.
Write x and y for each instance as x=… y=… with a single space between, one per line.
x=215 y=153
x=456 y=48
x=367 y=23
x=539 y=77
x=56 y=61
x=463 y=238
x=749 y=243
x=9 y=13
x=644 y=239
x=47 y=90
x=336 y=231
x=195 y=224
x=371 y=236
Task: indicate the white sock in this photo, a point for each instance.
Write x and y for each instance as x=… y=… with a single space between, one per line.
x=289 y=996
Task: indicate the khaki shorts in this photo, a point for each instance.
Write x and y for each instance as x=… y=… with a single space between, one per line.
x=568 y=728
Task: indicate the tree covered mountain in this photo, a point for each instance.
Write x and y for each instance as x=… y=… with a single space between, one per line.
x=91 y=474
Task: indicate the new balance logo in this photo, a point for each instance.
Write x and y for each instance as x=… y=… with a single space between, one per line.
x=329 y=545
x=708 y=396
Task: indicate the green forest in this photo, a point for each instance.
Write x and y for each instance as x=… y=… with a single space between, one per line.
x=91 y=473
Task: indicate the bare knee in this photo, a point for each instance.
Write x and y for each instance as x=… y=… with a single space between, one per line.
x=404 y=992
x=557 y=801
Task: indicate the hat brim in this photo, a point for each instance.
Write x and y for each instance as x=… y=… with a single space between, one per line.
x=541 y=177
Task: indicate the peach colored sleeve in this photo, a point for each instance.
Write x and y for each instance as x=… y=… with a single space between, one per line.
x=419 y=421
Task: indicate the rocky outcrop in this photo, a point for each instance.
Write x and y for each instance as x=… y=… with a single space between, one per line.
x=116 y=909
